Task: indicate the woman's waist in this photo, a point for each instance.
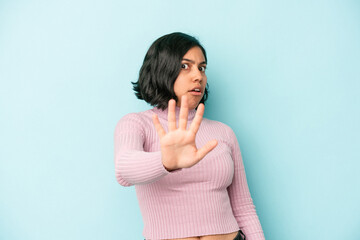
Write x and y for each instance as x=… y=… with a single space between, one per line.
x=226 y=236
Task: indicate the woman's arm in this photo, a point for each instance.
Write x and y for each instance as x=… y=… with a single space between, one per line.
x=132 y=164
x=240 y=198
x=178 y=149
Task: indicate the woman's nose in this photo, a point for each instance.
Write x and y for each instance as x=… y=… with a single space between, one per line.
x=197 y=75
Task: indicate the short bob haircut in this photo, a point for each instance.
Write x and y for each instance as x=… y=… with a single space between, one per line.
x=161 y=67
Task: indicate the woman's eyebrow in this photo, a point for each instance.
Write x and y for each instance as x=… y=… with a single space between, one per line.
x=193 y=62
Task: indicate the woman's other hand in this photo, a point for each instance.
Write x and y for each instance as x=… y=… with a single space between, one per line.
x=178 y=148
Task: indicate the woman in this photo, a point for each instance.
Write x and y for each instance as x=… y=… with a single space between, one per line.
x=184 y=192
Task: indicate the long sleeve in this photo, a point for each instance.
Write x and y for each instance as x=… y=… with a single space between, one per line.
x=240 y=198
x=133 y=165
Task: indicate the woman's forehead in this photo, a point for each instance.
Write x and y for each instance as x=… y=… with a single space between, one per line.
x=194 y=55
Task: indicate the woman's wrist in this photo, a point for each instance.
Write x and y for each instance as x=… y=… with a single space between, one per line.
x=169 y=168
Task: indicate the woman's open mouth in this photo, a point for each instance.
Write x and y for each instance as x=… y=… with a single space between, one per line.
x=195 y=92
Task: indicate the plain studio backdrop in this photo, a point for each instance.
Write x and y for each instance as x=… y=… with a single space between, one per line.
x=283 y=74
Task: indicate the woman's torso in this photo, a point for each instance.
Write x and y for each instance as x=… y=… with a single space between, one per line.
x=219 y=173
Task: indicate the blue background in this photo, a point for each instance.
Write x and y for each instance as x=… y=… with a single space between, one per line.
x=283 y=74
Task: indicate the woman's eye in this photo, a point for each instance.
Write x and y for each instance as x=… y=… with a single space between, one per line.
x=202 y=69
x=185 y=66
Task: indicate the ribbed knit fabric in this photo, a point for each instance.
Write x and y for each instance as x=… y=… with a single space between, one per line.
x=211 y=197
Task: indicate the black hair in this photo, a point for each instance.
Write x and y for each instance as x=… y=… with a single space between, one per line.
x=161 y=67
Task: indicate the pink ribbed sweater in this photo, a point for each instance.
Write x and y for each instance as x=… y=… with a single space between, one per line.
x=211 y=197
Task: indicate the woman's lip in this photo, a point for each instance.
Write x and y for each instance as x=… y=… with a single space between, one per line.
x=197 y=87
x=195 y=93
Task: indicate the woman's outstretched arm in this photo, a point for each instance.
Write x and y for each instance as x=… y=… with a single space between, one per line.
x=134 y=166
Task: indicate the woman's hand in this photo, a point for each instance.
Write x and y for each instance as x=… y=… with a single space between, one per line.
x=178 y=148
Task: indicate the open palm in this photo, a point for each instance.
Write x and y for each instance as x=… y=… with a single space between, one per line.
x=178 y=148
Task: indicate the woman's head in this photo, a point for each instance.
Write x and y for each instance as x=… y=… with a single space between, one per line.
x=174 y=65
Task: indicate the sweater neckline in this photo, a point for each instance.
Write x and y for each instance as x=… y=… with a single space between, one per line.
x=163 y=114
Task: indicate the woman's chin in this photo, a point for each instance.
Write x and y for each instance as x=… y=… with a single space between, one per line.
x=193 y=101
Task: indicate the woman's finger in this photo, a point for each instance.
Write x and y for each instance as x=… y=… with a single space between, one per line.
x=194 y=127
x=201 y=153
x=160 y=130
x=171 y=115
x=184 y=111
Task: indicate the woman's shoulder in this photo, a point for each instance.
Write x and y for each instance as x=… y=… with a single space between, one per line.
x=218 y=126
x=216 y=123
x=137 y=116
x=135 y=120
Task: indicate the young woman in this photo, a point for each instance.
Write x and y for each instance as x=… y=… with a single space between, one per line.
x=188 y=171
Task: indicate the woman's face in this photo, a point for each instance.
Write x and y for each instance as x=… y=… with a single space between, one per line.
x=192 y=78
